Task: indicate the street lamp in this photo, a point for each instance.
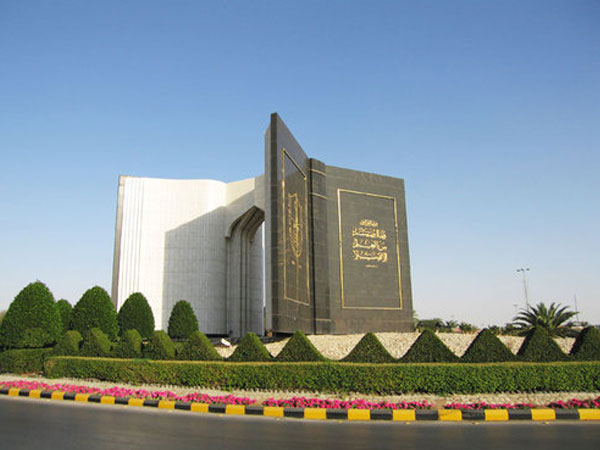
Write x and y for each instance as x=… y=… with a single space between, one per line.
x=523 y=271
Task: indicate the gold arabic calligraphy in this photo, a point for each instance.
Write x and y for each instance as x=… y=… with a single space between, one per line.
x=294 y=225
x=369 y=242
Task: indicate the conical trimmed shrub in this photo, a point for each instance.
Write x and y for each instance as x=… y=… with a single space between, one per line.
x=298 y=349
x=160 y=346
x=130 y=345
x=199 y=348
x=136 y=314
x=32 y=319
x=539 y=346
x=486 y=347
x=95 y=343
x=250 y=349
x=65 y=310
x=369 y=350
x=183 y=321
x=429 y=348
x=587 y=345
x=68 y=344
x=95 y=310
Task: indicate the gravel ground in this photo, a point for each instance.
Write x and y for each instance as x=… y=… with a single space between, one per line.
x=336 y=347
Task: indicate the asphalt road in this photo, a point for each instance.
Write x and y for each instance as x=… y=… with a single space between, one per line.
x=50 y=424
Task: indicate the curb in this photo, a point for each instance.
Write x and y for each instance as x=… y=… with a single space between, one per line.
x=396 y=415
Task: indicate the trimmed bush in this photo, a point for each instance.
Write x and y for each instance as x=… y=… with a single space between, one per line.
x=65 y=310
x=587 y=345
x=199 y=348
x=160 y=346
x=95 y=343
x=23 y=360
x=183 y=321
x=486 y=347
x=250 y=349
x=130 y=345
x=95 y=310
x=299 y=348
x=32 y=319
x=369 y=350
x=429 y=348
x=69 y=344
x=381 y=379
x=136 y=314
x=539 y=346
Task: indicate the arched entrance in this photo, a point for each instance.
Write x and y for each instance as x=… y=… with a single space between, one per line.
x=245 y=260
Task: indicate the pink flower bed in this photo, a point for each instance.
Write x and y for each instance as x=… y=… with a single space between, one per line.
x=132 y=393
x=573 y=403
x=304 y=402
x=484 y=405
x=298 y=402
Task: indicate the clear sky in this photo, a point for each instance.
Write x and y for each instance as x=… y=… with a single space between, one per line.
x=490 y=111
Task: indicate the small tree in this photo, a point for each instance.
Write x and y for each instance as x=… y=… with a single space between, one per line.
x=32 y=319
x=136 y=314
x=65 y=310
x=554 y=319
x=95 y=310
x=183 y=321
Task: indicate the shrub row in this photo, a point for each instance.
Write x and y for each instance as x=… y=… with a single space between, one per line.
x=538 y=346
x=23 y=361
x=35 y=320
x=382 y=379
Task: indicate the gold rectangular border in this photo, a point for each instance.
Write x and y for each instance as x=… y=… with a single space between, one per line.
x=284 y=153
x=368 y=194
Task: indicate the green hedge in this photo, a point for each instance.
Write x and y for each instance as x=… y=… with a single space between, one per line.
x=382 y=379
x=23 y=361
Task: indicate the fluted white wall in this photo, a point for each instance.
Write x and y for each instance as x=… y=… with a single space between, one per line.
x=171 y=244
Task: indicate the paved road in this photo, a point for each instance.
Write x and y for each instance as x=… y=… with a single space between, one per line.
x=29 y=423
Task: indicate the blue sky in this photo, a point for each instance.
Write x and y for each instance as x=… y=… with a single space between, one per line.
x=490 y=111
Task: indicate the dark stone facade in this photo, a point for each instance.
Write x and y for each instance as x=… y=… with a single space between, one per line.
x=338 y=245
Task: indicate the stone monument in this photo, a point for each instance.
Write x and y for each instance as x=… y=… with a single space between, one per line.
x=335 y=248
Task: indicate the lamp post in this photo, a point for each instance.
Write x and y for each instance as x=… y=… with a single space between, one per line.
x=523 y=271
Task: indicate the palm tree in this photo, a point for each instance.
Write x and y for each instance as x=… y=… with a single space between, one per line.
x=555 y=319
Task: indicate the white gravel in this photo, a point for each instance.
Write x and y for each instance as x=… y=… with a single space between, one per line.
x=337 y=346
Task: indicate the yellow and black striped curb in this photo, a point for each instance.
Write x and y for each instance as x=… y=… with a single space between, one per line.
x=398 y=415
